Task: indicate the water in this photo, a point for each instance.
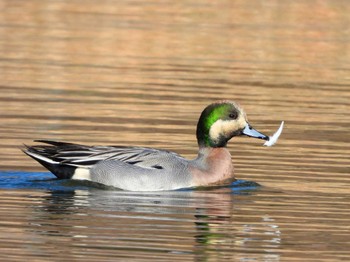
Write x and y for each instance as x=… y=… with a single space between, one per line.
x=140 y=73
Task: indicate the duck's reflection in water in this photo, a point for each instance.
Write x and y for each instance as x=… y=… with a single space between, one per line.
x=204 y=225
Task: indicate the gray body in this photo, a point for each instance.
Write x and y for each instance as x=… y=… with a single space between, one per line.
x=128 y=168
x=157 y=170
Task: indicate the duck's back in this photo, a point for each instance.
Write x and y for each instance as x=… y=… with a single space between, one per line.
x=134 y=168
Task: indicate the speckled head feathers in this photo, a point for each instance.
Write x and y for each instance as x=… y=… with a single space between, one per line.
x=219 y=122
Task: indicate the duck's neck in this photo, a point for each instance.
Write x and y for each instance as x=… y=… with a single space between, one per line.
x=212 y=166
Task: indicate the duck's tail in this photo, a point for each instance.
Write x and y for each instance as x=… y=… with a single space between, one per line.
x=45 y=155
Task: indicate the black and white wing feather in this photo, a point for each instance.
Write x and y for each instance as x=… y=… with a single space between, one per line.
x=57 y=155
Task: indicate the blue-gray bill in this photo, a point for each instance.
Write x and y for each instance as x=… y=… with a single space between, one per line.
x=270 y=140
x=250 y=131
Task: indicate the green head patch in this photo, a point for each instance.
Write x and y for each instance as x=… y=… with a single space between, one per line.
x=210 y=115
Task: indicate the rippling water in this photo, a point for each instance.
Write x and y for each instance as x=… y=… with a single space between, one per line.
x=140 y=73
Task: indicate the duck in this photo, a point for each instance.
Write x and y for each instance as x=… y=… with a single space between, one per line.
x=148 y=169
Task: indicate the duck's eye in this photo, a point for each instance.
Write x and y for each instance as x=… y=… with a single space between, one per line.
x=233 y=115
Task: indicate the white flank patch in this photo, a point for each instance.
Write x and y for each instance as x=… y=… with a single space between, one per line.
x=81 y=174
x=275 y=136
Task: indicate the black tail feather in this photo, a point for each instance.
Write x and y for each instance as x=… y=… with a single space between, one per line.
x=60 y=170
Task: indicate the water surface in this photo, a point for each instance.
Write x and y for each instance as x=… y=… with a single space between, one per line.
x=140 y=73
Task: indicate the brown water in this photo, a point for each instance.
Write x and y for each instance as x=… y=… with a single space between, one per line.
x=139 y=73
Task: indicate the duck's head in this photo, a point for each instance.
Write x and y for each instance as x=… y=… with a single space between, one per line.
x=221 y=121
